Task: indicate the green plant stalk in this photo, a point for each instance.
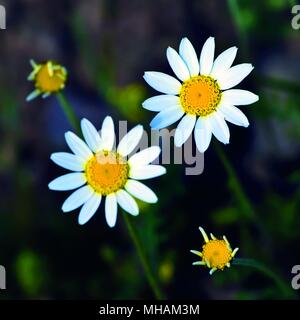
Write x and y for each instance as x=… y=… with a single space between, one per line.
x=143 y=258
x=282 y=286
x=68 y=111
x=236 y=186
x=71 y=116
x=235 y=12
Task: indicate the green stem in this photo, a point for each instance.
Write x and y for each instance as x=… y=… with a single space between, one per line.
x=71 y=116
x=68 y=111
x=236 y=186
x=286 y=290
x=235 y=12
x=143 y=258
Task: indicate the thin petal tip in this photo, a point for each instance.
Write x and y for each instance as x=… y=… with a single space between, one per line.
x=153 y=126
x=111 y=225
x=139 y=126
x=108 y=118
x=64 y=209
x=50 y=186
x=178 y=144
x=68 y=133
x=84 y=120
x=250 y=65
x=154 y=200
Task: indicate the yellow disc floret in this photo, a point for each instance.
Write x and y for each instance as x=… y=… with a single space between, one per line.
x=50 y=77
x=216 y=253
x=200 y=95
x=107 y=172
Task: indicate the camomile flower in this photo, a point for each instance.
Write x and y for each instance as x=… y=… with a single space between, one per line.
x=203 y=97
x=48 y=77
x=216 y=253
x=101 y=172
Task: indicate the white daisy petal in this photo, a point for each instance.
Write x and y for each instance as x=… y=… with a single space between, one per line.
x=188 y=54
x=46 y=95
x=91 y=135
x=130 y=141
x=184 y=129
x=234 y=75
x=127 y=203
x=78 y=146
x=68 y=181
x=33 y=95
x=238 y=97
x=68 y=161
x=207 y=56
x=108 y=134
x=162 y=82
x=111 y=210
x=140 y=191
x=146 y=172
x=89 y=208
x=158 y=103
x=166 y=117
x=144 y=157
x=223 y=62
x=219 y=127
x=177 y=64
x=77 y=198
x=202 y=134
x=234 y=115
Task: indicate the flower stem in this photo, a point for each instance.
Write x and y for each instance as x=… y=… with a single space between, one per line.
x=286 y=290
x=143 y=258
x=236 y=14
x=236 y=186
x=68 y=111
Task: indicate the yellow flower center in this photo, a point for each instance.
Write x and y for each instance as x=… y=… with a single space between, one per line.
x=200 y=95
x=50 y=77
x=216 y=253
x=107 y=172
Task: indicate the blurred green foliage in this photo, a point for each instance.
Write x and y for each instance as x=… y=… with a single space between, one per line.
x=31 y=273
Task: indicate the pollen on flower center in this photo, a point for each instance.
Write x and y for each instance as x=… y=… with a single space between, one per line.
x=107 y=172
x=50 y=77
x=216 y=253
x=200 y=95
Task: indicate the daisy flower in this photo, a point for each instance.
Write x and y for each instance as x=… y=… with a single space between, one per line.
x=203 y=97
x=48 y=77
x=102 y=172
x=215 y=254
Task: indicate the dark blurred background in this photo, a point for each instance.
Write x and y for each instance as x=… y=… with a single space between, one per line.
x=106 y=47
